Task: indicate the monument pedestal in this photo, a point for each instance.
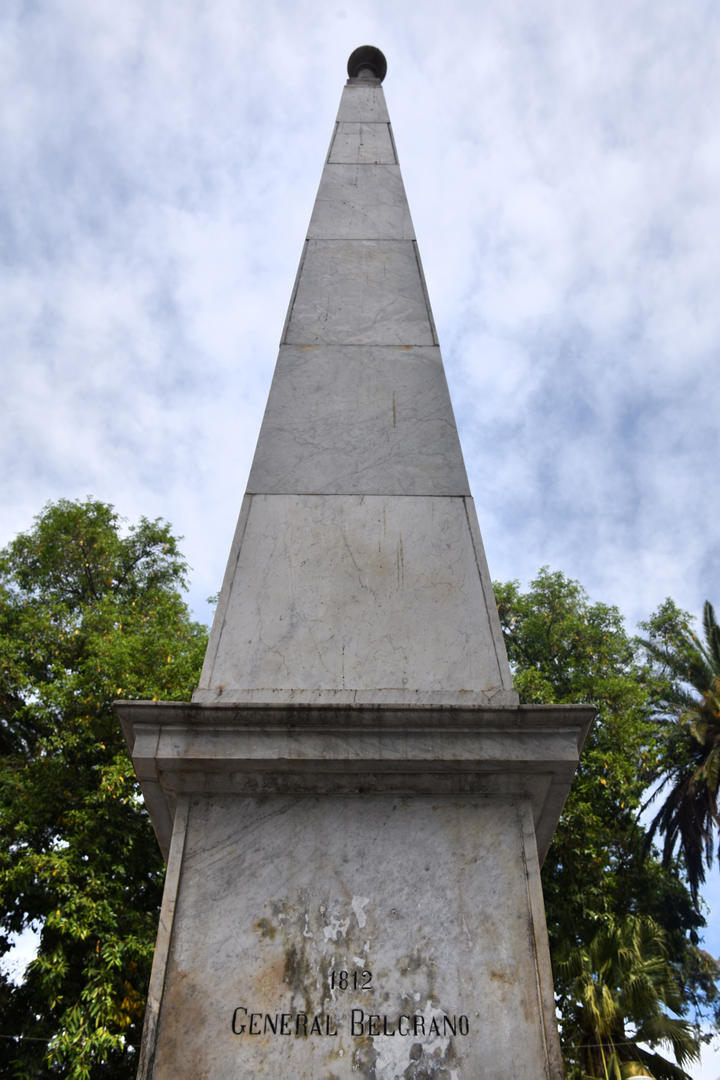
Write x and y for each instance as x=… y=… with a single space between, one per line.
x=352 y=890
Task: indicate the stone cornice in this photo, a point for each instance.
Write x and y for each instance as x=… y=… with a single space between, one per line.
x=528 y=752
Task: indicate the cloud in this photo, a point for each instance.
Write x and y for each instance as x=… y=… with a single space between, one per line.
x=562 y=166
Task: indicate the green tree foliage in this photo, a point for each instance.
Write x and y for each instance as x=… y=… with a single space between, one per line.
x=89 y=612
x=565 y=649
x=688 y=670
x=620 y=986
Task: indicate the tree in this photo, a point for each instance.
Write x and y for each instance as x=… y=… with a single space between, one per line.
x=563 y=649
x=89 y=612
x=689 y=769
x=620 y=984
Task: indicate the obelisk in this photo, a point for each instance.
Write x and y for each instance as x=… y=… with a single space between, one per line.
x=354 y=806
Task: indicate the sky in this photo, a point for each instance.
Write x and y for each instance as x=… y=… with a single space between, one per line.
x=562 y=164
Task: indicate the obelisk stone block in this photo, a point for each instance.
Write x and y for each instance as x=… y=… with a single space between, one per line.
x=404 y=570
x=369 y=144
x=356 y=202
x=342 y=421
x=361 y=101
x=360 y=292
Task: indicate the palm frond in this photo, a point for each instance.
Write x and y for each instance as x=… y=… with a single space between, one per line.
x=659 y=1067
x=712 y=636
x=668 y=1029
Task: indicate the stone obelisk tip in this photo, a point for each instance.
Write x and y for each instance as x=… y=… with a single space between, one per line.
x=367 y=62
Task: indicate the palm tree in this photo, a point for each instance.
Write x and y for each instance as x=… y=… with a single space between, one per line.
x=616 y=989
x=690 y=816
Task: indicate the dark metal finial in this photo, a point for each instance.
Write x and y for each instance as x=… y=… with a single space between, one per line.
x=367 y=61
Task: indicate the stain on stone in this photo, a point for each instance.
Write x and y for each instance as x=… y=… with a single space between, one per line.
x=266 y=928
x=183 y=997
x=297 y=974
x=269 y=980
x=294 y=968
x=436 y=1065
x=364 y=1058
x=412 y=962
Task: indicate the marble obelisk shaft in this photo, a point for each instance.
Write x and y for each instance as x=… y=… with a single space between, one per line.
x=357 y=572
x=353 y=804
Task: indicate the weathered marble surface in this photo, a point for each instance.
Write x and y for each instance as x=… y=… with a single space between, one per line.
x=359 y=419
x=356 y=592
x=361 y=202
x=360 y=292
x=438 y=899
x=369 y=143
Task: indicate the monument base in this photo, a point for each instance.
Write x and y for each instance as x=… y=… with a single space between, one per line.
x=352 y=893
